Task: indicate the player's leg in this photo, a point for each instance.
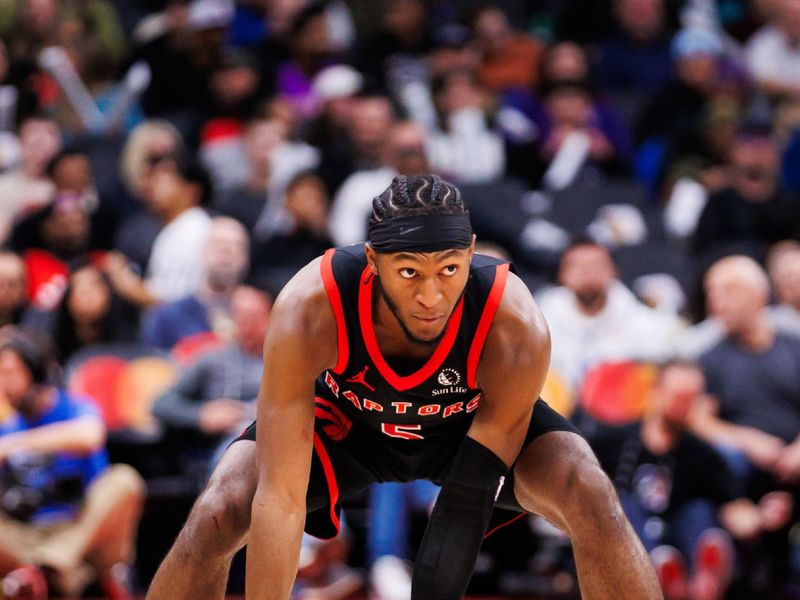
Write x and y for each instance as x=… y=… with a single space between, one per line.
x=197 y=565
x=558 y=477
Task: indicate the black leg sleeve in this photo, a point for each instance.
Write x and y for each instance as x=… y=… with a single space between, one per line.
x=458 y=523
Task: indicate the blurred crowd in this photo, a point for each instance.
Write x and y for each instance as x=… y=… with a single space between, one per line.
x=166 y=166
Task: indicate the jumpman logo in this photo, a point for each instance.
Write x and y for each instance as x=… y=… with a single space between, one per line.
x=361 y=378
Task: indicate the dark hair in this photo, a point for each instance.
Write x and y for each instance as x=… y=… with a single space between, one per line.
x=33 y=349
x=193 y=172
x=305 y=16
x=417 y=195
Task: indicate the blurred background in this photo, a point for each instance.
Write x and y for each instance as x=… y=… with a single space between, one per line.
x=167 y=166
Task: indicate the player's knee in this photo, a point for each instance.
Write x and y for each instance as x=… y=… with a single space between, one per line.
x=220 y=518
x=591 y=500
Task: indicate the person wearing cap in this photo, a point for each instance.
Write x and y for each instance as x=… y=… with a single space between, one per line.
x=409 y=357
x=65 y=514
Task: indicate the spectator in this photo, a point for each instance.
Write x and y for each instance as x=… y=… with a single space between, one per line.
x=277 y=259
x=466 y=148
x=772 y=53
x=270 y=162
x=215 y=396
x=754 y=210
x=13 y=282
x=509 y=58
x=27 y=188
x=676 y=490
x=147 y=145
x=783 y=263
x=310 y=51
x=403 y=37
x=179 y=190
x=89 y=313
x=404 y=153
x=224 y=263
x=754 y=372
x=675 y=111
x=594 y=318
x=635 y=58
x=182 y=51
x=78 y=510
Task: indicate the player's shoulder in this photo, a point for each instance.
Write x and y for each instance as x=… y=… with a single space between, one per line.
x=302 y=304
x=518 y=330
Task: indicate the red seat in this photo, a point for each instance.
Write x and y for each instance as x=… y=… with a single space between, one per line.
x=618 y=393
x=97 y=378
x=192 y=346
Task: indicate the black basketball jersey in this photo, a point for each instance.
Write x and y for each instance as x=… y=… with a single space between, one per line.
x=410 y=411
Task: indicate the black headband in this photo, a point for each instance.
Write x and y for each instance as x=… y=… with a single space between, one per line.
x=421 y=233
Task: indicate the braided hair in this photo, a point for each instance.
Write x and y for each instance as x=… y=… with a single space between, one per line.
x=417 y=195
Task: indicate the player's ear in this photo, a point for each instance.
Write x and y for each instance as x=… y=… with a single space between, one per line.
x=472 y=247
x=371 y=259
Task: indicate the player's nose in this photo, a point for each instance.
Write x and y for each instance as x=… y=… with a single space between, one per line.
x=429 y=293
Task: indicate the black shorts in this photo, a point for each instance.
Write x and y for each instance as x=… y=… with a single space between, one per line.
x=340 y=468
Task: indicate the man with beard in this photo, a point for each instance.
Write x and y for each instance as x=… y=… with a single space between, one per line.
x=225 y=263
x=410 y=357
x=594 y=318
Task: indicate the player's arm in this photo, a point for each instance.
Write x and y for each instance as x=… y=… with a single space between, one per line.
x=300 y=343
x=511 y=374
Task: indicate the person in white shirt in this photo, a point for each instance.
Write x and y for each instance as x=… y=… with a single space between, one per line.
x=773 y=52
x=403 y=154
x=594 y=318
x=179 y=190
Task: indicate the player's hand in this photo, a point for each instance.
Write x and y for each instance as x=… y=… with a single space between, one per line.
x=761 y=449
x=787 y=468
x=222 y=416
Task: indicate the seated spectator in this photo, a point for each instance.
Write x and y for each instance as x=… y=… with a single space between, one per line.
x=754 y=210
x=215 y=397
x=180 y=188
x=509 y=58
x=404 y=153
x=635 y=57
x=573 y=128
x=50 y=241
x=466 y=147
x=676 y=490
x=783 y=264
x=277 y=259
x=224 y=262
x=147 y=145
x=772 y=52
x=27 y=188
x=755 y=374
x=13 y=285
x=89 y=313
x=594 y=318
x=675 y=111
x=78 y=511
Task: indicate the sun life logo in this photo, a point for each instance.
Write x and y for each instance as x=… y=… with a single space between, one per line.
x=449 y=377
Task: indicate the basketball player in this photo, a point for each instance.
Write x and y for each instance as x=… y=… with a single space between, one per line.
x=409 y=357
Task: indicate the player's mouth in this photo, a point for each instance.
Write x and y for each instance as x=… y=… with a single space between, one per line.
x=428 y=320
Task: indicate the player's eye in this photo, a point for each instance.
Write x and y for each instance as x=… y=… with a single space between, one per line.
x=450 y=270
x=407 y=273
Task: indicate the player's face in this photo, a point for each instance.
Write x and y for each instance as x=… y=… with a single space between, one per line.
x=422 y=288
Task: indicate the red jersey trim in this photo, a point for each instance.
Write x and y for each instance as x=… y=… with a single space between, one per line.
x=330 y=479
x=438 y=357
x=489 y=310
x=335 y=298
x=505 y=524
